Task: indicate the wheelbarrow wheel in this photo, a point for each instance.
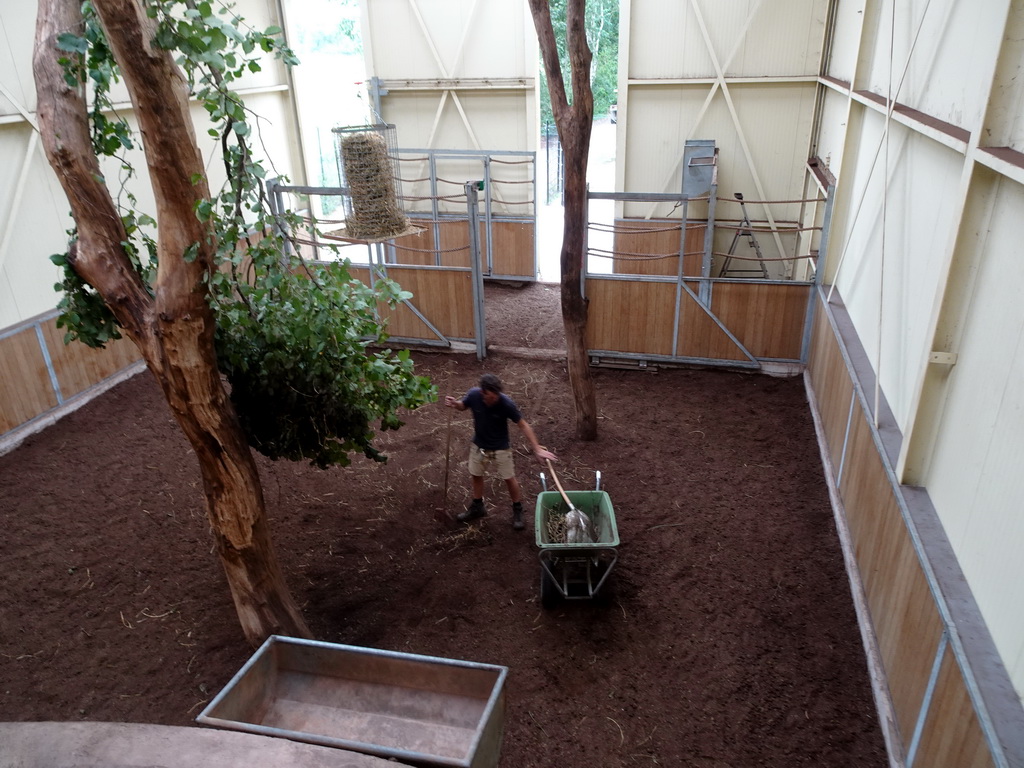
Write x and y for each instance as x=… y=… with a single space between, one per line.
x=549 y=594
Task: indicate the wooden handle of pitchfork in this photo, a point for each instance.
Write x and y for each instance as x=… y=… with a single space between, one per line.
x=558 y=484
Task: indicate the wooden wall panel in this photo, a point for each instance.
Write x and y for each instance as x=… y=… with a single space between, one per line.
x=657 y=237
x=514 y=248
x=628 y=316
x=79 y=367
x=443 y=296
x=832 y=384
x=454 y=238
x=906 y=620
x=768 y=319
x=952 y=735
x=700 y=336
x=25 y=390
x=415 y=249
x=513 y=245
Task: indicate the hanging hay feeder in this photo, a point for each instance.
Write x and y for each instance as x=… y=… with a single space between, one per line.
x=368 y=165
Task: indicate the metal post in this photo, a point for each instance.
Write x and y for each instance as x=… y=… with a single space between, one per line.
x=276 y=201
x=435 y=207
x=709 y=242
x=487 y=216
x=819 y=274
x=474 y=261
x=679 y=281
x=376 y=91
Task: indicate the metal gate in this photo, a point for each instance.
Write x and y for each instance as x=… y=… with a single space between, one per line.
x=653 y=295
x=446 y=308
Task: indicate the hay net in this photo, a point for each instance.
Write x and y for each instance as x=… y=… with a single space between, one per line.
x=368 y=165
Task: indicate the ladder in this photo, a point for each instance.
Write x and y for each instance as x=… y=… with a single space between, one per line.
x=745 y=230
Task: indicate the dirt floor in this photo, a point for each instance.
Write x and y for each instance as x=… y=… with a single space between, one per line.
x=726 y=636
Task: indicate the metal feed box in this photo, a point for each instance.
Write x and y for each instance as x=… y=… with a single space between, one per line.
x=418 y=710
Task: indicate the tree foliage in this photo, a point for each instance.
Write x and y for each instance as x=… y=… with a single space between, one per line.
x=602 y=22
x=300 y=343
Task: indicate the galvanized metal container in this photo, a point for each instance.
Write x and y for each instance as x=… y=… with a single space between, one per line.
x=418 y=710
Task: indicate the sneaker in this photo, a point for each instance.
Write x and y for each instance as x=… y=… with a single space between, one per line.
x=473 y=511
x=517 y=516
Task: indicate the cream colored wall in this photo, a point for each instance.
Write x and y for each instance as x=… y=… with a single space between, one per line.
x=974 y=474
x=33 y=218
x=33 y=209
x=893 y=242
x=743 y=74
x=924 y=253
x=451 y=81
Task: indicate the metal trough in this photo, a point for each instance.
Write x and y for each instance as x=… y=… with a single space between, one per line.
x=418 y=710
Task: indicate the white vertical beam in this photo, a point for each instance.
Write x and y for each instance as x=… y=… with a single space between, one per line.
x=952 y=297
x=740 y=134
x=671 y=183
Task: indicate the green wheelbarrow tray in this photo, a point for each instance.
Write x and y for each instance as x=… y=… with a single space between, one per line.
x=575 y=571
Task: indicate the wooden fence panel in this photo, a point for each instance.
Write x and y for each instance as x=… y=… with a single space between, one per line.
x=454 y=238
x=902 y=602
x=700 y=336
x=767 y=318
x=25 y=389
x=952 y=735
x=514 y=248
x=416 y=249
x=907 y=622
x=79 y=367
x=631 y=316
x=832 y=385
x=443 y=296
x=657 y=237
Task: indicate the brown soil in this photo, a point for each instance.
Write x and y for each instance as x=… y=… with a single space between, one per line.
x=725 y=637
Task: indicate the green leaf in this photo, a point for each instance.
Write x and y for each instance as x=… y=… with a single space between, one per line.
x=204 y=210
x=72 y=43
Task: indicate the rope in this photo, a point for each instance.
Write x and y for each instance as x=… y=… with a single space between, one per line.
x=769 y=202
x=430 y=250
x=627 y=256
x=310 y=220
x=431 y=197
x=754 y=258
x=322 y=244
x=600 y=227
x=768 y=230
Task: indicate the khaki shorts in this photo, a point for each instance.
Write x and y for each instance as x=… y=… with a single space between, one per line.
x=480 y=459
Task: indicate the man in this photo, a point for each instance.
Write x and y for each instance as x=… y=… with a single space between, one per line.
x=492 y=410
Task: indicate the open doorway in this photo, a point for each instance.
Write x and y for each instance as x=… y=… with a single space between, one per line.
x=602 y=22
x=600 y=178
x=329 y=84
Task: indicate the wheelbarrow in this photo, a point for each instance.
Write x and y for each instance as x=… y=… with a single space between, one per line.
x=574 y=568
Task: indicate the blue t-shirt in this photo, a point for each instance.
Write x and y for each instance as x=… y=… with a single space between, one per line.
x=490 y=423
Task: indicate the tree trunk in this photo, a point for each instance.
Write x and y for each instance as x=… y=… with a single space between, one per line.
x=173 y=328
x=574 y=125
